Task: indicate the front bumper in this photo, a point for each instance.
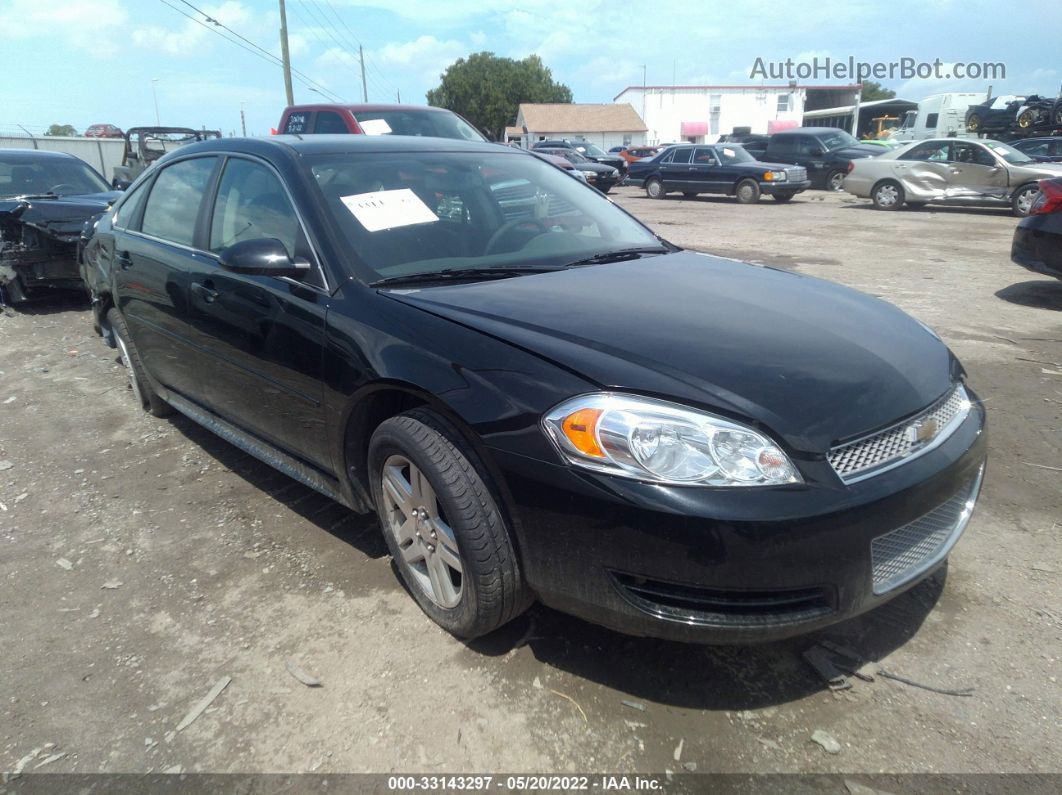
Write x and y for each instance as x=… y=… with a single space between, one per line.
x=1037 y=244
x=715 y=566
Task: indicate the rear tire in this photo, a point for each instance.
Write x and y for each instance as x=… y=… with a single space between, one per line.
x=138 y=380
x=835 y=181
x=747 y=192
x=654 y=189
x=887 y=195
x=1022 y=199
x=443 y=526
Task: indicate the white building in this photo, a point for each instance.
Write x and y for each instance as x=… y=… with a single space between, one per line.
x=700 y=114
x=607 y=125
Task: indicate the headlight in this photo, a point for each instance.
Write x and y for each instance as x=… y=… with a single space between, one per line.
x=654 y=440
x=775 y=176
x=589 y=174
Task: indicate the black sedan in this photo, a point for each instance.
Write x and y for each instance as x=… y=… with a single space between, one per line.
x=1037 y=241
x=599 y=175
x=588 y=150
x=45 y=199
x=540 y=398
x=719 y=168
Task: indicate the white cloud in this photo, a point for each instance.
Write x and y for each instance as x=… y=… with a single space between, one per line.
x=189 y=37
x=86 y=24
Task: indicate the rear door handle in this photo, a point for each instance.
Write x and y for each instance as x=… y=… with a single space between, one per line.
x=123 y=259
x=205 y=290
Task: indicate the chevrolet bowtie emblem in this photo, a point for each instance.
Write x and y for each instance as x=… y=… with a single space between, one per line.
x=922 y=431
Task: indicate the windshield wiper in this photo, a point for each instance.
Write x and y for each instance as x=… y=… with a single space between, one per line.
x=38 y=196
x=617 y=256
x=451 y=274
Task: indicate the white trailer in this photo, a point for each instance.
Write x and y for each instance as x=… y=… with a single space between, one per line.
x=938 y=116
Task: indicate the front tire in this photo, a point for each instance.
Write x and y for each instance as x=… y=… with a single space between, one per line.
x=443 y=526
x=138 y=381
x=747 y=192
x=654 y=189
x=887 y=195
x=835 y=181
x=1022 y=200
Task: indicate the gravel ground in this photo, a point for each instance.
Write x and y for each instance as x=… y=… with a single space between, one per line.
x=144 y=561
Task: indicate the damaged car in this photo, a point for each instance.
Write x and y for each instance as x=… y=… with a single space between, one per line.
x=951 y=171
x=145 y=145
x=45 y=200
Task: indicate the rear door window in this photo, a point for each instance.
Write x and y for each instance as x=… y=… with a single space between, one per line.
x=173 y=205
x=298 y=122
x=682 y=155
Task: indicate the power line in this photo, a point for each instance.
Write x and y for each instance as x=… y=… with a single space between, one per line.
x=313 y=27
x=354 y=36
x=334 y=34
x=257 y=51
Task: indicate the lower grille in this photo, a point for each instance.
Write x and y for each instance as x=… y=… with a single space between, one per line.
x=901 y=555
x=710 y=606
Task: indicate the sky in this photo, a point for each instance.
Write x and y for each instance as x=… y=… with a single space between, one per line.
x=81 y=62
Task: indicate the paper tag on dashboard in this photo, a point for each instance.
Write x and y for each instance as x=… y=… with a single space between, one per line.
x=374 y=127
x=387 y=209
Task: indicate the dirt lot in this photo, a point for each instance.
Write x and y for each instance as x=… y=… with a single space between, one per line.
x=143 y=560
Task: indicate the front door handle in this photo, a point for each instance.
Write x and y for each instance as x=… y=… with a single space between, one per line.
x=205 y=291
x=125 y=262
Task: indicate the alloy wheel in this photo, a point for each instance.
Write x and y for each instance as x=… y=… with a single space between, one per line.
x=424 y=539
x=128 y=362
x=837 y=181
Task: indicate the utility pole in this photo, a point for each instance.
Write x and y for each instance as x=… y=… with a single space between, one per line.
x=285 y=56
x=243 y=121
x=155 y=96
x=364 y=90
x=398 y=95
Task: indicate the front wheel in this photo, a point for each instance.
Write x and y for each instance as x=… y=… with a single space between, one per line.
x=747 y=192
x=443 y=526
x=1022 y=200
x=654 y=189
x=1026 y=119
x=835 y=181
x=887 y=195
x=973 y=124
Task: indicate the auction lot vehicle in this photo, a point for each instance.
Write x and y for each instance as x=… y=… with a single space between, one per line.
x=937 y=116
x=825 y=152
x=541 y=398
x=563 y=163
x=45 y=199
x=103 y=131
x=1038 y=239
x=995 y=116
x=145 y=145
x=376 y=119
x=599 y=175
x=632 y=153
x=1044 y=150
x=753 y=143
x=951 y=171
x=716 y=168
x=587 y=150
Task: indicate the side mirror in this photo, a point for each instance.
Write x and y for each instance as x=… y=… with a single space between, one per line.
x=263 y=256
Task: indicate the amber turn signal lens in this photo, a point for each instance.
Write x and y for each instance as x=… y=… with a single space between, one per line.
x=580 y=428
x=767 y=176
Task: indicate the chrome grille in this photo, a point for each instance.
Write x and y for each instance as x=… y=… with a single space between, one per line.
x=796 y=174
x=908 y=551
x=862 y=458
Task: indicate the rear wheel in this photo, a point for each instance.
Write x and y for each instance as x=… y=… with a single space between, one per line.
x=747 y=192
x=138 y=381
x=1026 y=119
x=1021 y=201
x=835 y=181
x=973 y=124
x=887 y=195
x=654 y=189
x=443 y=526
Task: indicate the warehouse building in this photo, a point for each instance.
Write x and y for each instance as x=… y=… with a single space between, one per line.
x=607 y=125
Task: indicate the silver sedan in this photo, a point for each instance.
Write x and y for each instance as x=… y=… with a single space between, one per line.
x=950 y=171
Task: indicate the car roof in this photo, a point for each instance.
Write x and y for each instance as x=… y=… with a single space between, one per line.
x=366 y=106
x=342 y=144
x=35 y=154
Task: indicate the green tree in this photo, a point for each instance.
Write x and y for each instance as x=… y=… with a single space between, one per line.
x=61 y=129
x=873 y=91
x=487 y=90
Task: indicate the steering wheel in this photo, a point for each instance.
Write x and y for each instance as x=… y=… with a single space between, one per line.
x=509 y=226
x=59 y=189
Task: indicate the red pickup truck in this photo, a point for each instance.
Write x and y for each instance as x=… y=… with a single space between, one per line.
x=376 y=120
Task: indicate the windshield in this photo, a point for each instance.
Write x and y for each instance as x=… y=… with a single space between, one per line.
x=1009 y=153
x=588 y=148
x=735 y=153
x=431 y=123
x=406 y=213
x=22 y=176
x=837 y=140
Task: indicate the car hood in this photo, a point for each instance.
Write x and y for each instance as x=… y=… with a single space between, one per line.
x=812 y=361
x=61 y=218
x=608 y=160
x=860 y=150
x=600 y=168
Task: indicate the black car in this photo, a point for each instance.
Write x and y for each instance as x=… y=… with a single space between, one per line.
x=753 y=143
x=599 y=175
x=587 y=150
x=45 y=199
x=998 y=115
x=825 y=152
x=716 y=168
x=1037 y=241
x=539 y=397
x=1046 y=150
